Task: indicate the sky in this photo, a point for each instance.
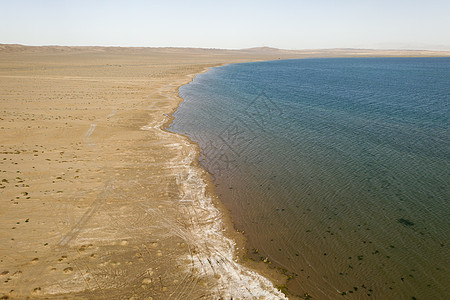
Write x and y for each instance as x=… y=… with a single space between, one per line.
x=286 y=24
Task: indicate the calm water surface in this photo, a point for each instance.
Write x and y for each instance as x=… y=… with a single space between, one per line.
x=336 y=169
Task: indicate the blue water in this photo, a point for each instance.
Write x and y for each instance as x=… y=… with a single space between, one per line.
x=337 y=170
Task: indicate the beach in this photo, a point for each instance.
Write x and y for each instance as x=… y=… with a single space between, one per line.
x=98 y=200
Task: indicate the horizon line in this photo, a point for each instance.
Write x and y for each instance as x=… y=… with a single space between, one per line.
x=231 y=49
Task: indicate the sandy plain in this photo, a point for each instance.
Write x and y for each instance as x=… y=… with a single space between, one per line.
x=97 y=200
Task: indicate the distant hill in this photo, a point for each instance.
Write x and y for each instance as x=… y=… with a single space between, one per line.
x=262 y=49
x=259 y=51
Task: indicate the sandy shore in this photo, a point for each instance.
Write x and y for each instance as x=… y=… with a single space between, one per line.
x=97 y=200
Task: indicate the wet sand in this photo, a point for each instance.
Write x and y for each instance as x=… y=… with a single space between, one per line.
x=97 y=199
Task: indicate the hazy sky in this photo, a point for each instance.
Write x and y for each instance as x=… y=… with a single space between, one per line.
x=289 y=24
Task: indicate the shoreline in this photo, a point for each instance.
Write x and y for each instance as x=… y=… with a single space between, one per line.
x=266 y=278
